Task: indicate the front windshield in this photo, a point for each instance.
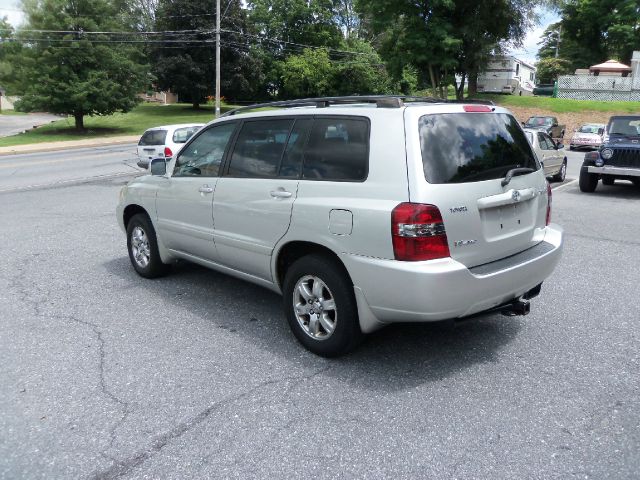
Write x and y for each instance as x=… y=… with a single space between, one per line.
x=589 y=129
x=629 y=127
x=539 y=121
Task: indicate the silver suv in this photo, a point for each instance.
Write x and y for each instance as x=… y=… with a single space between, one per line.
x=360 y=211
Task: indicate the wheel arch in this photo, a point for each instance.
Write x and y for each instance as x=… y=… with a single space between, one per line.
x=291 y=251
x=131 y=210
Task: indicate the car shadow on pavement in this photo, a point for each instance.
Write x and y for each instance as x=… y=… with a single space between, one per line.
x=396 y=357
x=621 y=189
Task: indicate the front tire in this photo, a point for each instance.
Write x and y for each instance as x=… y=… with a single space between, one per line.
x=588 y=181
x=143 y=247
x=321 y=307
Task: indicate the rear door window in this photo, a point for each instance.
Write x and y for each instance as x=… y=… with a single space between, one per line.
x=153 y=138
x=181 y=135
x=472 y=147
x=338 y=150
x=259 y=148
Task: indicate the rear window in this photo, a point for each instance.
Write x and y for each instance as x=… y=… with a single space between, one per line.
x=153 y=137
x=471 y=147
x=181 y=135
x=337 y=150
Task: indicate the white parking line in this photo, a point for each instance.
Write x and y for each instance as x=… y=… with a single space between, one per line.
x=564 y=185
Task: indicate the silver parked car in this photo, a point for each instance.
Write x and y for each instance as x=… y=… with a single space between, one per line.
x=550 y=153
x=588 y=136
x=360 y=211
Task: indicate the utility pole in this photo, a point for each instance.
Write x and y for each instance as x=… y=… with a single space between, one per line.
x=217 y=58
x=557 y=41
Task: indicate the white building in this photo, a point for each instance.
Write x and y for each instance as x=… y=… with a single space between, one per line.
x=507 y=74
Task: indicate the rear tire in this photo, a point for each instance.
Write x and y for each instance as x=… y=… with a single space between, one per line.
x=588 y=181
x=320 y=306
x=562 y=174
x=143 y=247
x=608 y=180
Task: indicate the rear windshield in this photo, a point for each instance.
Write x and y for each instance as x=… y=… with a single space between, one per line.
x=471 y=147
x=153 y=137
x=181 y=135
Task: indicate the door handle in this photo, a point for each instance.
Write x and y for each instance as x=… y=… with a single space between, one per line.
x=280 y=193
x=205 y=189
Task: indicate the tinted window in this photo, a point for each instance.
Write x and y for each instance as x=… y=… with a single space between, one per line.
x=293 y=154
x=544 y=142
x=629 y=127
x=470 y=147
x=259 y=148
x=181 y=135
x=338 y=149
x=153 y=137
x=203 y=156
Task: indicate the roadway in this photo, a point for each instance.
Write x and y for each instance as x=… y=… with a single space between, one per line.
x=195 y=375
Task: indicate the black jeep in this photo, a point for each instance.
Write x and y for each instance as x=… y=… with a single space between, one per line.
x=618 y=158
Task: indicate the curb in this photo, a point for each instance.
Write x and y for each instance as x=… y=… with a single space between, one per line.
x=65 y=145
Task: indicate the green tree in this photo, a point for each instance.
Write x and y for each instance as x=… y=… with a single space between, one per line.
x=548 y=69
x=592 y=31
x=360 y=73
x=309 y=74
x=9 y=56
x=185 y=63
x=74 y=72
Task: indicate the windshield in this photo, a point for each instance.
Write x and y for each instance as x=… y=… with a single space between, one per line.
x=590 y=129
x=539 y=121
x=626 y=126
x=471 y=147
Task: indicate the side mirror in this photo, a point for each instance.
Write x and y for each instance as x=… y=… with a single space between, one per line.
x=541 y=164
x=559 y=146
x=600 y=131
x=158 y=167
x=555 y=124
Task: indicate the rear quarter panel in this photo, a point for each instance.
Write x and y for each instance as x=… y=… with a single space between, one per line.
x=370 y=202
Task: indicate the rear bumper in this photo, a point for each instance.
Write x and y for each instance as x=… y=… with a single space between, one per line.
x=391 y=291
x=618 y=171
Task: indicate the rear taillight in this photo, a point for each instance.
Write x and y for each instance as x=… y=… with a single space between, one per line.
x=418 y=233
x=167 y=152
x=548 y=203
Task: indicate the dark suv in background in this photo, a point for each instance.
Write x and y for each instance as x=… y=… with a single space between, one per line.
x=618 y=158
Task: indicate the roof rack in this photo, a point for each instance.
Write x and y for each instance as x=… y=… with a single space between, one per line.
x=381 y=101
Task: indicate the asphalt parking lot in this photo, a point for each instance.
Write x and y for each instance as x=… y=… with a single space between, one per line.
x=106 y=375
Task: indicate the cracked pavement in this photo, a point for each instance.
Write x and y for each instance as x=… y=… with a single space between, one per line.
x=105 y=375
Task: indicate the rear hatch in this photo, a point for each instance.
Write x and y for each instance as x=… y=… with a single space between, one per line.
x=459 y=157
x=152 y=144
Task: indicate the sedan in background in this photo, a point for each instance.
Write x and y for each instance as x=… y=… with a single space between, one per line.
x=551 y=154
x=164 y=142
x=588 y=136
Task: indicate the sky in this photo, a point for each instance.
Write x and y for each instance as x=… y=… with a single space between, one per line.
x=10 y=9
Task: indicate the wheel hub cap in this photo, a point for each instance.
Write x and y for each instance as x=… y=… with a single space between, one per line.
x=140 y=248
x=314 y=307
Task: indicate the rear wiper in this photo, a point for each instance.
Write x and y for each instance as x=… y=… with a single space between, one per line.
x=513 y=172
